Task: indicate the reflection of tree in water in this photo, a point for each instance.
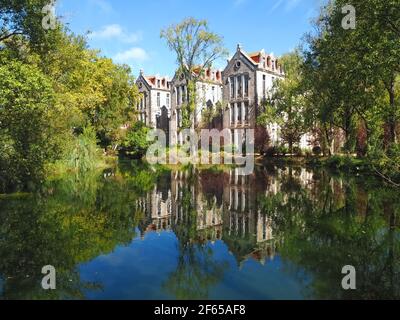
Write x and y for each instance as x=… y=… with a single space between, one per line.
x=72 y=221
x=197 y=270
x=340 y=222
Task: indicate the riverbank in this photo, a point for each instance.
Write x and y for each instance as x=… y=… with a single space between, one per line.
x=345 y=163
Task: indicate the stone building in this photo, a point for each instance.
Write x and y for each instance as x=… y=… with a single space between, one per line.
x=248 y=80
x=208 y=93
x=242 y=89
x=154 y=108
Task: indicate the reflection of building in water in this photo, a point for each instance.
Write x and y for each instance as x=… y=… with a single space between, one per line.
x=157 y=207
x=245 y=227
x=216 y=206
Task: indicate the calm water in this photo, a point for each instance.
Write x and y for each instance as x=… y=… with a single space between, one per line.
x=139 y=233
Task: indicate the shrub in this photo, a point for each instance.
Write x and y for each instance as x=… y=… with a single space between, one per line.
x=85 y=154
x=282 y=150
x=135 y=143
x=334 y=162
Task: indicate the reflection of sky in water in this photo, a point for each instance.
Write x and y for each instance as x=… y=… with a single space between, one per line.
x=280 y=235
x=140 y=270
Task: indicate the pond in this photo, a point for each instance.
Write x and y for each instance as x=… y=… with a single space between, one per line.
x=137 y=232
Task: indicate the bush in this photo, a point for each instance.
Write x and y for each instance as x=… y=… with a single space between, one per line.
x=26 y=135
x=135 y=143
x=334 y=162
x=282 y=151
x=317 y=151
x=85 y=154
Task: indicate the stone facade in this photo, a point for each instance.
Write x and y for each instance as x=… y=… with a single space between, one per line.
x=248 y=79
x=242 y=88
x=156 y=99
x=209 y=92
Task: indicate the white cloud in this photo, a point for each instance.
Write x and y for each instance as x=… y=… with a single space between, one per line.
x=133 y=54
x=115 y=31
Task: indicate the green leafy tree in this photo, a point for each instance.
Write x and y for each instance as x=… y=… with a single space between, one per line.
x=286 y=105
x=196 y=48
x=26 y=98
x=135 y=142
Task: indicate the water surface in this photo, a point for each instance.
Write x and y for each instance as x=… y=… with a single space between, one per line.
x=142 y=233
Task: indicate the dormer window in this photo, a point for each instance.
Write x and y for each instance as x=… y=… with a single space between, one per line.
x=158 y=83
x=269 y=62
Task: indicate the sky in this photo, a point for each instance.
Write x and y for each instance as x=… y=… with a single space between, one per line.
x=128 y=31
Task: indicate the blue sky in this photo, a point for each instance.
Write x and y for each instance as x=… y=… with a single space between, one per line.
x=129 y=30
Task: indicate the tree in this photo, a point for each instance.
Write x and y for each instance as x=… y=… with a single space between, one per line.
x=351 y=74
x=286 y=105
x=22 y=19
x=196 y=48
x=53 y=87
x=26 y=97
x=135 y=143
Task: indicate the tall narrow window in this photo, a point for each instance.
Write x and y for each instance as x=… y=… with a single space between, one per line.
x=167 y=100
x=158 y=99
x=246 y=85
x=232 y=87
x=264 y=84
x=246 y=111
x=239 y=116
x=183 y=94
x=178 y=96
x=239 y=86
x=213 y=94
x=232 y=113
x=178 y=117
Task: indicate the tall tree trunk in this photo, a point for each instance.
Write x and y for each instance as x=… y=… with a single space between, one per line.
x=329 y=141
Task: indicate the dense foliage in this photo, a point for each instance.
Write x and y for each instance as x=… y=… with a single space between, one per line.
x=343 y=87
x=59 y=100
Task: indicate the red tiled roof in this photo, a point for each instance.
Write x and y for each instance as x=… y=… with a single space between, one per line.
x=152 y=80
x=256 y=58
